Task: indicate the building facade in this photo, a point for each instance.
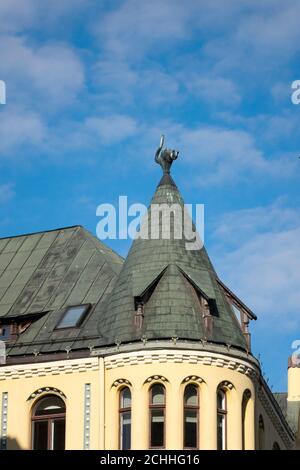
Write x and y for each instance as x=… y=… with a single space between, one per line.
x=147 y=352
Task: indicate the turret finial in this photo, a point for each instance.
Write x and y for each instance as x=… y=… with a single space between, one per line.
x=164 y=157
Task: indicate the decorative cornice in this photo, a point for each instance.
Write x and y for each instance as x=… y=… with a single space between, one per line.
x=179 y=356
x=42 y=390
x=70 y=366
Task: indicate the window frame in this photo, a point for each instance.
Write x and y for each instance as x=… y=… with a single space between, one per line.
x=192 y=407
x=261 y=433
x=79 y=322
x=49 y=418
x=152 y=407
x=245 y=403
x=224 y=413
x=121 y=412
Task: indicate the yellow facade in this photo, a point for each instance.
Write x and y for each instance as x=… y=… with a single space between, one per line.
x=138 y=370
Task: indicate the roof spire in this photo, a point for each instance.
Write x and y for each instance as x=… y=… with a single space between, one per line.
x=164 y=157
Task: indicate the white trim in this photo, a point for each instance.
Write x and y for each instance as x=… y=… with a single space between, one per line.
x=68 y=366
x=182 y=356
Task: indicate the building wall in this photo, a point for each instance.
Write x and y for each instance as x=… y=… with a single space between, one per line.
x=69 y=377
x=139 y=370
x=171 y=368
x=294 y=399
x=270 y=434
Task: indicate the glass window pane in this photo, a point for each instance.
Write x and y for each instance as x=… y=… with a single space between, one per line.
x=40 y=435
x=50 y=405
x=58 y=436
x=125 y=430
x=190 y=428
x=191 y=395
x=157 y=428
x=4 y=332
x=125 y=398
x=221 y=400
x=221 y=432
x=72 y=317
x=158 y=394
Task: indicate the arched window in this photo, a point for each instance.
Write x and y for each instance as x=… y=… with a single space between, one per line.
x=157 y=405
x=191 y=417
x=261 y=433
x=276 y=446
x=125 y=418
x=221 y=419
x=48 y=424
x=245 y=401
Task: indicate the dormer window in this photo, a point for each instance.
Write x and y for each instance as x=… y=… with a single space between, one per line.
x=73 y=317
x=11 y=328
x=5 y=332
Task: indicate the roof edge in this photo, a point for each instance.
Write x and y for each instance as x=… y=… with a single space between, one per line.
x=42 y=231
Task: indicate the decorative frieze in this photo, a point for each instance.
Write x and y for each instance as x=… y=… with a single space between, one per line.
x=70 y=366
x=184 y=357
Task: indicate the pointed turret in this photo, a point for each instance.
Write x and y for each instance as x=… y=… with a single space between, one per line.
x=165 y=290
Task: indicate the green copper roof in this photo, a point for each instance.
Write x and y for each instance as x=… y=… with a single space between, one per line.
x=43 y=273
x=170 y=278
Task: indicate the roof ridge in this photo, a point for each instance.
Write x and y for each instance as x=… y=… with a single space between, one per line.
x=96 y=241
x=42 y=231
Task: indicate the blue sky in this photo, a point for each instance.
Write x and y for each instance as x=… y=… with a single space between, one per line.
x=92 y=84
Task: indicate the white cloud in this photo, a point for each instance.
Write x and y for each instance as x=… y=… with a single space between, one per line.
x=136 y=26
x=52 y=72
x=215 y=91
x=111 y=129
x=7 y=192
x=16 y=15
x=261 y=261
x=225 y=154
x=91 y=134
x=20 y=129
x=263 y=36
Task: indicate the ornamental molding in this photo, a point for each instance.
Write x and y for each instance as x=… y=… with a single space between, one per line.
x=226 y=384
x=119 y=382
x=42 y=390
x=193 y=378
x=42 y=369
x=183 y=357
x=155 y=378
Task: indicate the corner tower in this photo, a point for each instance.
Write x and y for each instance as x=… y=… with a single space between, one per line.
x=167 y=290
